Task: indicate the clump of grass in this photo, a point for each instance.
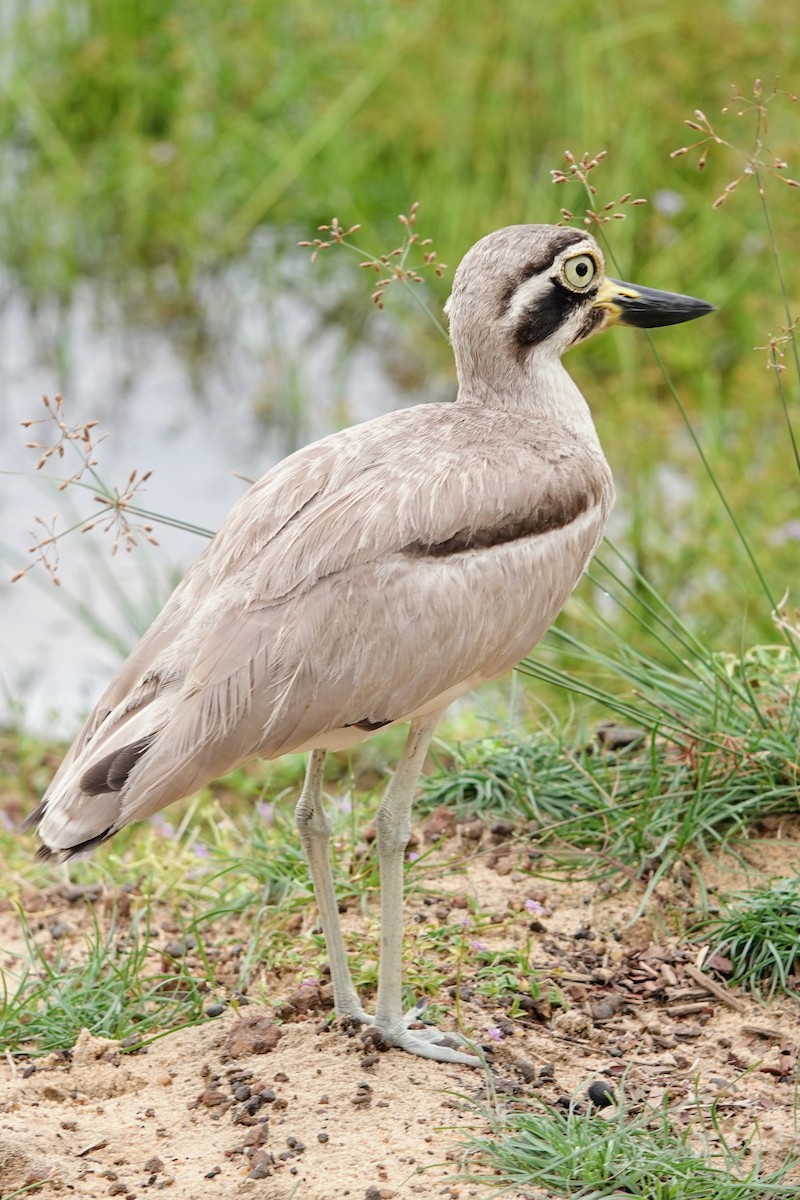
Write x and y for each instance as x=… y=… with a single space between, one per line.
x=112 y=991
x=576 y=1153
x=718 y=753
x=508 y=776
x=759 y=932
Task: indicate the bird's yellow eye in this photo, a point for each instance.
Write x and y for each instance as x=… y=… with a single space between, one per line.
x=579 y=272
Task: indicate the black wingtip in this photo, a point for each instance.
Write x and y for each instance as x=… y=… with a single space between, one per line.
x=33 y=819
x=82 y=847
x=46 y=853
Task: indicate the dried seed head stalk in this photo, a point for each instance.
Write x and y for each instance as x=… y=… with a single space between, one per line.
x=759 y=161
x=392 y=266
x=116 y=502
x=775 y=344
x=115 y=515
x=337 y=235
x=80 y=436
x=578 y=171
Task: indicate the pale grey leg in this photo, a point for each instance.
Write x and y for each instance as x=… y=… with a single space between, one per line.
x=315 y=831
x=393 y=830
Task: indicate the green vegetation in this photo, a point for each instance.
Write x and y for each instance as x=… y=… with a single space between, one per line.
x=577 y=1153
x=759 y=932
x=712 y=752
x=111 y=990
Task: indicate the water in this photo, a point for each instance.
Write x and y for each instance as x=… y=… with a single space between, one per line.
x=278 y=376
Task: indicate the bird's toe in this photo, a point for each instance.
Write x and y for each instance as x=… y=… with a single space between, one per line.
x=438 y=1045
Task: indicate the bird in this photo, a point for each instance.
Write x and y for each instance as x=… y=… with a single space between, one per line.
x=370 y=579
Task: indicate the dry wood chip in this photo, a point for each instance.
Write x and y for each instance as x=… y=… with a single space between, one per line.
x=688 y=1010
x=92 y=1146
x=721 y=993
x=768 y=1032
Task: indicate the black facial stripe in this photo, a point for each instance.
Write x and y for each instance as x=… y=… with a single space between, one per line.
x=540 y=263
x=543 y=318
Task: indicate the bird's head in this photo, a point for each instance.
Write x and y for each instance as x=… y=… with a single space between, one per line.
x=538 y=290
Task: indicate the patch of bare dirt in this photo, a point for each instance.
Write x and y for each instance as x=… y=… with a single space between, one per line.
x=301 y=1108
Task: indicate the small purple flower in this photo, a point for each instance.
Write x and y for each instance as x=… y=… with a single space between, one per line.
x=200 y=849
x=266 y=812
x=477 y=946
x=494 y=1033
x=790 y=532
x=465 y=922
x=668 y=203
x=412 y=856
x=162 y=825
x=533 y=906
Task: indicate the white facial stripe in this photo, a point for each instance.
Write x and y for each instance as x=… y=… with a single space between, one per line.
x=529 y=294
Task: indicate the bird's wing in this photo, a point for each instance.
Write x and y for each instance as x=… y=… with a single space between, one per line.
x=354 y=584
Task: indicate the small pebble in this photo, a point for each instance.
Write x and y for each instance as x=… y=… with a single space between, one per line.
x=526 y=1070
x=323 y=1137
x=363 y=1095
x=257 y=1034
x=600 y=1093
x=215 y=1010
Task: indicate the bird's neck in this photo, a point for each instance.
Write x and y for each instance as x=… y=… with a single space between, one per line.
x=540 y=388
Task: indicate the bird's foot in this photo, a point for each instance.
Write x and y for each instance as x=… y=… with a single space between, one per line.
x=438 y=1044
x=428 y=1041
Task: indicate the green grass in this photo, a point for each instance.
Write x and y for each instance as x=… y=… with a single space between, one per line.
x=718 y=753
x=112 y=990
x=582 y=1156
x=759 y=932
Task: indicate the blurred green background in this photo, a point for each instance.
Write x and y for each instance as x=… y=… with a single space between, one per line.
x=151 y=145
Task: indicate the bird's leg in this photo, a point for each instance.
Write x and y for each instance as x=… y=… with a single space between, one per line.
x=315 y=831
x=393 y=831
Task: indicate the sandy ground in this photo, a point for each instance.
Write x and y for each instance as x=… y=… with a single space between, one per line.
x=243 y=1106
